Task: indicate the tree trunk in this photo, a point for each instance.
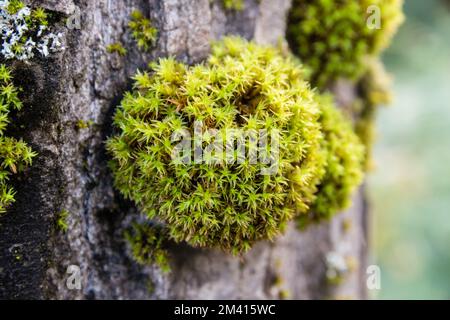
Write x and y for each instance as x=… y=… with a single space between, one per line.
x=86 y=83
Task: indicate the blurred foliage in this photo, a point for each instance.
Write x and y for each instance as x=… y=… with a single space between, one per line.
x=410 y=189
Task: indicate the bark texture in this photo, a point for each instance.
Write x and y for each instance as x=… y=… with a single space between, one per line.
x=86 y=83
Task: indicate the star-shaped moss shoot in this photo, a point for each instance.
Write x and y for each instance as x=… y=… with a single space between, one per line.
x=15 y=155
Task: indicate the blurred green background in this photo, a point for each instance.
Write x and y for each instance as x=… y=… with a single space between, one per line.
x=410 y=187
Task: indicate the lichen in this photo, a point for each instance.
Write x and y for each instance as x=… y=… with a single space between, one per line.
x=147 y=242
x=15 y=154
x=337 y=268
x=334 y=38
x=229 y=204
x=344 y=154
x=25 y=31
x=143 y=32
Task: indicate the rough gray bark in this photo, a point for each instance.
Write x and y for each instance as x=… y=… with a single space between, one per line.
x=86 y=83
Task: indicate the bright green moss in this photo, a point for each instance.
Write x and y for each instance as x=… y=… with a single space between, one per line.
x=14 y=6
x=237 y=5
x=229 y=204
x=334 y=37
x=116 y=47
x=39 y=17
x=344 y=164
x=61 y=220
x=15 y=155
x=147 y=245
x=83 y=124
x=142 y=30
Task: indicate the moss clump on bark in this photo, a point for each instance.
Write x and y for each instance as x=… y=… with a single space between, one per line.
x=226 y=198
x=15 y=155
x=143 y=32
x=237 y=5
x=118 y=48
x=61 y=221
x=228 y=203
x=335 y=37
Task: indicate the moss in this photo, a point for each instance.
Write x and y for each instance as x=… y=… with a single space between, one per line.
x=61 y=221
x=352 y=263
x=374 y=90
x=147 y=245
x=14 y=6
x=15 y=155
x=237 y=5
x=278 y=281
x=142 y=30
x=280 y=290
x=228 y=205
x=83 y=124
x=116 y=47
x=335 y=37
x=347 y=225
x=285 y=294
x=344 y=155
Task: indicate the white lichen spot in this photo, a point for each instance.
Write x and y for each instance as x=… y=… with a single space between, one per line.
x=22 y=38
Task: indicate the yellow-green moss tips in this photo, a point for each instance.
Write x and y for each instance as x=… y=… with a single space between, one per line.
x=142 y=30
x=218 y=200
x=344 y=155
x=116 y=47
x=237 y=5
x=61 y=221
x=15 y=155
x=335 y=37
x=228 y=205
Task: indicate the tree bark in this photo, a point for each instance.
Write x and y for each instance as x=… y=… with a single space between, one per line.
x=84 y=82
